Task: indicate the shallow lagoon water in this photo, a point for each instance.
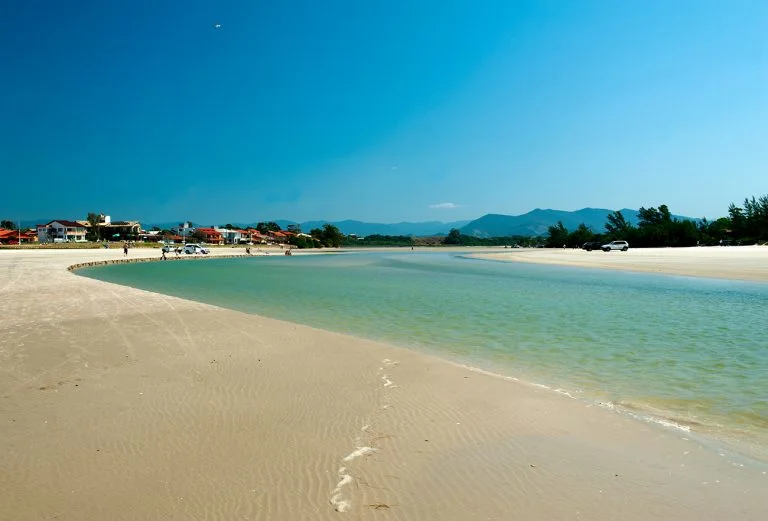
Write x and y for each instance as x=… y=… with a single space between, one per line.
x=691 y=351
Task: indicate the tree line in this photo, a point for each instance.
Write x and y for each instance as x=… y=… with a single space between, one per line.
x=456 y=238
x=656 y=227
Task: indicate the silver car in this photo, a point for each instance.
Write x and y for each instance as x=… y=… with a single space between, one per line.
x=615 y=245
x=195 y=248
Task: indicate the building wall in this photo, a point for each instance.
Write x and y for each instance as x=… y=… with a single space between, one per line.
x=59 y=231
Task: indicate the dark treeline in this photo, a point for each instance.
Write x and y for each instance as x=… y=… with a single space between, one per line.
x=456 y=238
x=747 y=224
x=379 y=240
x=328 y=236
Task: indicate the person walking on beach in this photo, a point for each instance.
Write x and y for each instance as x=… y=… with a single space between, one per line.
x=125 y=249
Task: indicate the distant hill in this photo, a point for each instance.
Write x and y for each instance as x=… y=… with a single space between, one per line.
x=363 y=229
x=536 y=222
x=418 y=229
x=533 y=223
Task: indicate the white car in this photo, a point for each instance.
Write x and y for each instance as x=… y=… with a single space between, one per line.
x=615 y=245
x=195 y=248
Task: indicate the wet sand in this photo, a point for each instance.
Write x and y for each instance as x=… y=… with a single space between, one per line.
x=731 y=262
x=117 y=403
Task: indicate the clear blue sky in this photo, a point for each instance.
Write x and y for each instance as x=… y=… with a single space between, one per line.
x=379 y=110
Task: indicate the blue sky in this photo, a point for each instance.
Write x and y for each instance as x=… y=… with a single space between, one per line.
x=380 y=111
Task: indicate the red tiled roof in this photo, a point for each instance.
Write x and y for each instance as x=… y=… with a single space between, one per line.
x=14 y=234
x=68 y=224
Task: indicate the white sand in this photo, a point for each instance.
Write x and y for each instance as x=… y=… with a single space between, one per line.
x=731 y=262
x=117 y=403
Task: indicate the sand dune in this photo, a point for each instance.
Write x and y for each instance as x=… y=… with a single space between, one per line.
x=117 y=403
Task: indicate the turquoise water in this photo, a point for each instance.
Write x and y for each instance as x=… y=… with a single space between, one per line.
x=691 y=351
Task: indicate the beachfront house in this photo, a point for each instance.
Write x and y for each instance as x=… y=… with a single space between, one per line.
x=184 y=230
x=120 y=230
x=280 y=237
x=61 y=230
x=209 y=235
x=16 y=236
x=150 y=236
x=257 y=237
x=236 y=236
x=230 y=236
x=104 y=229
x=246 y=236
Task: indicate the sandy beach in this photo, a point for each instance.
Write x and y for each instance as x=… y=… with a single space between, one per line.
x=732 y=262
x=121 y=404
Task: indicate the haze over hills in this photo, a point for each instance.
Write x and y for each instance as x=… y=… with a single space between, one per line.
x=534 y=223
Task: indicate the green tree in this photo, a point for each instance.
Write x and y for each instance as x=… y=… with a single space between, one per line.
x=328 y=235
x=617 y=225
x=738 y=221
x=265 y=227
x=8 y=224
x=303 y=242
x=94 y=233
x=453 y=237
x=332 y=236
x=582 y=234
x=295 y=228
x=653 y=216
x=756 y=218
x=557 y=235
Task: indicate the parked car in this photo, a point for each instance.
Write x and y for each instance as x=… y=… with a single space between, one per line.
x=167 y=248
x=591 y=245
x=616 y=245
x=195 y=248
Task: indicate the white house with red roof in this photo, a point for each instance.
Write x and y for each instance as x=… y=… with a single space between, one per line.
x=236 y=235
x=61 y=230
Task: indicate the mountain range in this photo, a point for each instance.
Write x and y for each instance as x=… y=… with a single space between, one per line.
x=534 y=223
x=403 y=228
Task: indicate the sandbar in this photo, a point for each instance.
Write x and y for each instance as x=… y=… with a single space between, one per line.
x=731 y=262
x=118 y=403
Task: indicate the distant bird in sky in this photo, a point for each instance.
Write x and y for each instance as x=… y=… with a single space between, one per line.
x=217 y=26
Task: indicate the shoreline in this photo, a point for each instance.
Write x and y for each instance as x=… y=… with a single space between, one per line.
x=711 y=431
x=744 y=263
x=112 y=393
